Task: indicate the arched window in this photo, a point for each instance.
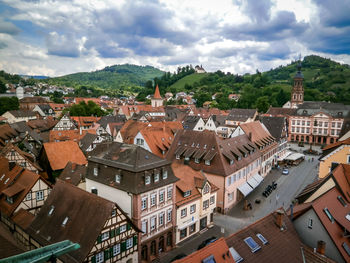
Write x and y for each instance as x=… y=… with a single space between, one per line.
x=153 y=247
x=144 y=253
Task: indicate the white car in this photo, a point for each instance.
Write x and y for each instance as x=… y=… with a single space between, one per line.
x=285 y=171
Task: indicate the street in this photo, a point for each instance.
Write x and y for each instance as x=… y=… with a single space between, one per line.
x=288 y=187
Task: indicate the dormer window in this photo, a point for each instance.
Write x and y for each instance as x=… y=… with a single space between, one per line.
x=95 y=171
x=9 y=200
x=187 y=193
x=177 y=157
x=118 y=178
x=231 y=162
x=207 y=162
x=196 y=160
x=147 y=179
x=165 y=174
x=206 y=189
x=156 y=176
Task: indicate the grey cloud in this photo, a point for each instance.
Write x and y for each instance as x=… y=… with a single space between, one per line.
x=257 y=11
x=3 y=45
x=8 y=28
x=62 y=45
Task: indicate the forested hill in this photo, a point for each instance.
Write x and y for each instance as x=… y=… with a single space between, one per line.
x=120 y=77
x=325 y=80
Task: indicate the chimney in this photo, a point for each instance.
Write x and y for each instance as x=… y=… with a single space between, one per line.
x=80 y=131
x=279 y=219
x=321 y=247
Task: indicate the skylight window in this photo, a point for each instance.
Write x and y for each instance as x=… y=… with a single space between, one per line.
x=51 y=210
x=237 y=257
x=65 y=221
x=329 y=215
x=348 y=216
x=209 y=259
x=187 y=193
x=2 y=177
x=262 y=238
x=252 y=244
x=346 y=248
x=341 y=200
x=7 y=180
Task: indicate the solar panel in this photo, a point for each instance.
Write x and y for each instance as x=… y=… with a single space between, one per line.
x=262 y=238
x=252 y=244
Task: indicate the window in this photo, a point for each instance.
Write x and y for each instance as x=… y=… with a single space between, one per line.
x=205 y=204
x=99 y=257
x=147 y=179
x=262 y=238
x=212 y=199
x=230 y=196
x=144 y=203
x=122 y=228
x=209 y=259
x=40 y=195
x=95 y=171
x=329 y=215
x=139 y=141
x=153 y=199
x=184 y=212
x=348 y=158
x=118 y=178
x=114 y=212
x=156 y=176
x=252 y=244
x=192 y=228
x=129 y=243
x=309 y=223
x=116 y=249
x=153 y=223
x=94 y=190
x=9 y=200
x=144 y=226
x=105 y=236
x=237 y=257
x=51 y=210
x=2 y=177
x=65 y=221
x=342 y=201
x=161 y=196
x=192 y=209
x=196 y=160
x=165 y=174
x=177 y=157
x=170 y=193
x=161 y=218
x=187 y=193
x=170 y=213
x=183 y=233
x=206 y=189
x=29 y=196
x=207 y=162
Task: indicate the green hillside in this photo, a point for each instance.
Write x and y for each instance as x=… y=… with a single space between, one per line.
x=189 y=80
x=117 y=77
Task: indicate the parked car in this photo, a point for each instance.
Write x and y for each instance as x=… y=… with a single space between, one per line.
x=285 y=171
x=206 y=242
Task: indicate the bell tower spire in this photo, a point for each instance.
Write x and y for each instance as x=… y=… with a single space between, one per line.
x=297 y=94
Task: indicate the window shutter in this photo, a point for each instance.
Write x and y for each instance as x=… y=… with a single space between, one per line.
x=99 y=239
x=128 y=226
x=123 y=246
x=93 y=259
x=111 y=252
x=106 y=252
x=135 y=240
x=117 y=231
x=112 y=233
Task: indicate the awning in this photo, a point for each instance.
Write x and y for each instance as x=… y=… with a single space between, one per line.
x=252 y=182
x=294 y=156
x=258 y=178
x=245 y=189
x=281 y=158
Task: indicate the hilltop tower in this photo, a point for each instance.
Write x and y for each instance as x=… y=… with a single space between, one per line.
x=297 y=95
x=157 y=100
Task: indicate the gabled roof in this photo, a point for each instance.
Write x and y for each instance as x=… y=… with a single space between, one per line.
x=190 y=121
x=60 y=153
x=241 y=114
x=208 y=146
x=45 y=108
x=73 y=173
x=82 y=121
x=22 y=113
x=69 y=135
x=16 y=184
x=86 y=215
x=340 y=223
x=87 y=140
x=7 y=132
x=105 y=120
x=275 y=126
x=8 y=244
x=190 y=180
x=20 y=127
x=257 y=131
x=42 y=124
x=334 y=146
x=217 y=250
x=276 y=111
x=130 y=130
x=283 y=245
x=336 y=110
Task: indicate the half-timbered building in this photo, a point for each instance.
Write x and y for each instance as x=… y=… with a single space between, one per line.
x=103 y=230
x=143 y=184
x=23 y=159
x=65 y=123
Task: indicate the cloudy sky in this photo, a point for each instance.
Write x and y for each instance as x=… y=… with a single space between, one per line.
x=54 y=38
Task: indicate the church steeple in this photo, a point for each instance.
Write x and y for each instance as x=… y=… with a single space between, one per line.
x=157 y=100
x=297 y=95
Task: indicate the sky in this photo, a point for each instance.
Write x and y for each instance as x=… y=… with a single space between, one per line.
x=55 y=38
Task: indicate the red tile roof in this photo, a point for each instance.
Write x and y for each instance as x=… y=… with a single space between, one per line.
x=60 y=153
x=68 y=135
x=157 y=93
x=218 y=250
x=283 y=245
x=336 y=144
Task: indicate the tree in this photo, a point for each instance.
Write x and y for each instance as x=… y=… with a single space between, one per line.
x=8 y=103
x=89 y=109
x=2 y=87
x=262 y=104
